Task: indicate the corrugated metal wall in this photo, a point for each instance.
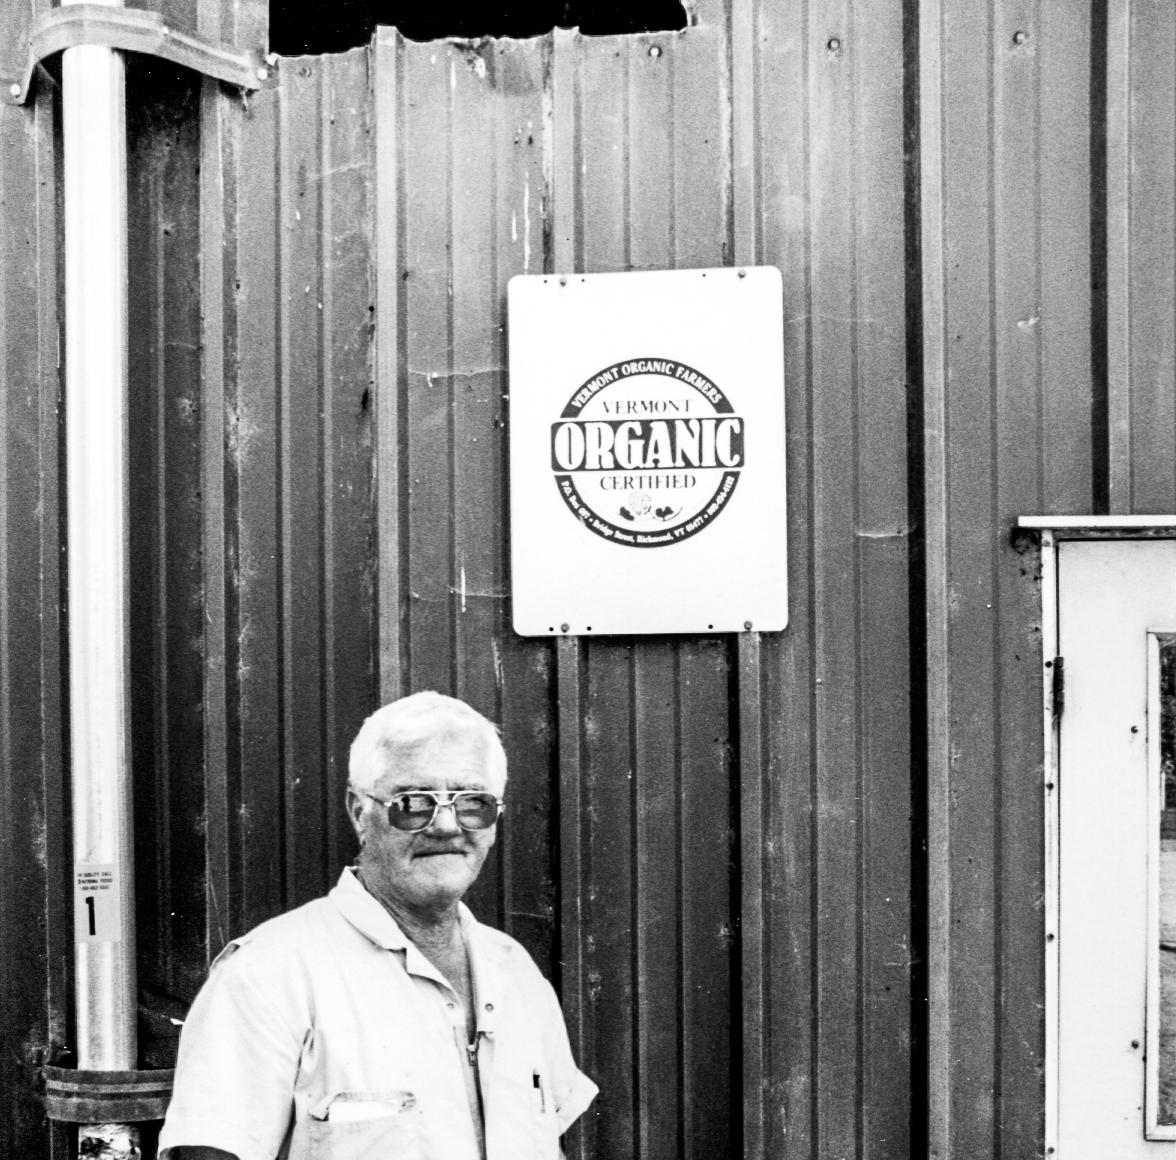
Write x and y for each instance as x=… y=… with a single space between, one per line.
x=789 y=885
x=1010 y=405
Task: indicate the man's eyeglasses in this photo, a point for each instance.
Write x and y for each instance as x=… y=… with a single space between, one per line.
x=416 y=809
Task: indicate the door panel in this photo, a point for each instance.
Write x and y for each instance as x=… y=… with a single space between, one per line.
x=1114 y=597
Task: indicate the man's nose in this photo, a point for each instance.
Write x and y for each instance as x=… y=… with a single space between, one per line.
x=445 y=819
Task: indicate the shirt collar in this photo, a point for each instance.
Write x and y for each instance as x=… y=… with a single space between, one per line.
x=367 y=914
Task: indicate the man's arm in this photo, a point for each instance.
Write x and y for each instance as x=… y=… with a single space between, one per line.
x=237 y=1063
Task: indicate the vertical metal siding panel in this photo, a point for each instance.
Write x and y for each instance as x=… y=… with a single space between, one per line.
x=705 y=849
x=242 y=23
x=933 y=161
x=971 y=827
x=781 y=192
x=300 y=475
x=602 y=191
x=835 y=581
x=1117 y=133
x=522 y=671
x=709 y=1005
x=35 y=918
x=1062 y=208
x=239 y=24
x=881 y=535
x=254 y=422
x=823 y=198
x=474 y=385
x=701 y=150
x=299 y=470
x=287 y=462
x=647 y=199
x=1015 y=227
x=428 y=340
x=388 y=387
x=651 y=136
x=1152 y=257
x=349 y=615
x=563 y=229
x=574 y=872
x=610 y=787
x=1042 y=433
x=659 y=880
x=218 y=170
x=601 y=242
x=933 y=287
x=165 y=495
x=755 y=1027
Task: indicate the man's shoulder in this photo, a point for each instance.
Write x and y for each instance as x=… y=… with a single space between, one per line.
x=291 y=934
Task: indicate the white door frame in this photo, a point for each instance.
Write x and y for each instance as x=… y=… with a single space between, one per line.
x=1052 y=530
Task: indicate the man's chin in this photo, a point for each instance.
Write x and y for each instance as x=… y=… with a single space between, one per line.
x=444 y=872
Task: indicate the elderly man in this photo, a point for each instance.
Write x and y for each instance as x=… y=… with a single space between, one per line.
x=383 y=1021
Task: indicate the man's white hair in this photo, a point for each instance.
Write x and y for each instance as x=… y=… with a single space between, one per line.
x=396 y=735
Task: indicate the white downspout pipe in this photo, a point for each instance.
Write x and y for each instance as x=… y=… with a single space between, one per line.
x=95 y=168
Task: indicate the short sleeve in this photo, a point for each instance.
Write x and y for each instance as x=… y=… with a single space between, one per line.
x=238 y=1059
x=571 y=1089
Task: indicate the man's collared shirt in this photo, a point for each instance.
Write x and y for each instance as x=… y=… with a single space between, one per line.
x=326 y=1033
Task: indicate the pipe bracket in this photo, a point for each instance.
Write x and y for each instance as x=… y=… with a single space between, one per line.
x=133 y=30
x=101 y=1097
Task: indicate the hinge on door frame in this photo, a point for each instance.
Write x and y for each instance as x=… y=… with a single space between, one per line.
x=1058 y=690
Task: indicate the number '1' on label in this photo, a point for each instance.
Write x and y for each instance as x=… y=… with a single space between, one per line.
x=96 y=903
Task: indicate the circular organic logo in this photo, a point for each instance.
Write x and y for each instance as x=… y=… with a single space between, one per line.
x=647 y=452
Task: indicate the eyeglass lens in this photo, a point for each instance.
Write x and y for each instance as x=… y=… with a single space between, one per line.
x=417 y=810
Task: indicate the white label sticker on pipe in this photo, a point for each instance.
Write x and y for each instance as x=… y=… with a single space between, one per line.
x=96 y=904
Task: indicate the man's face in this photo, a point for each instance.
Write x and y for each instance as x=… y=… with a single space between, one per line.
x=426 y=870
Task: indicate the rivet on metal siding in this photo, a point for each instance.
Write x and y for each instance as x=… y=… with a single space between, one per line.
x=655 y=51
x=262 y=73
x=563 y=628
x=14 y=90
x=834 y=44
x=1020 y=36
x=747 y=625
x=563 y=281
x=742 y=273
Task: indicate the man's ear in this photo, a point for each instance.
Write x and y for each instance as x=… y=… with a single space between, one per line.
x=355 y=803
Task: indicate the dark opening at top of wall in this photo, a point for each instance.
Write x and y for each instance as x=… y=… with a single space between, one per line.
x=296 y=29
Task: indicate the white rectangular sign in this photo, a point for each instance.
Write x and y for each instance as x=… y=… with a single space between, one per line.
x=96 y=903
x=647 y=472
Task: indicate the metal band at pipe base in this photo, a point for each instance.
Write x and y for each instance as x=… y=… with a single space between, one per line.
x=106 y=1097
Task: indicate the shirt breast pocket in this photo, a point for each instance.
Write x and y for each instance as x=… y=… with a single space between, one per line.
x=360 y=1126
